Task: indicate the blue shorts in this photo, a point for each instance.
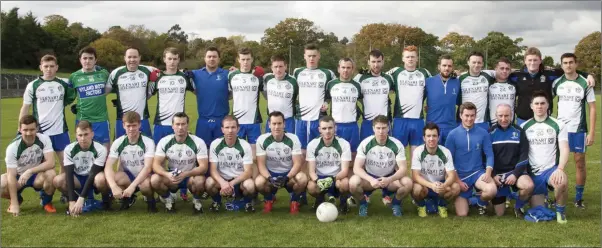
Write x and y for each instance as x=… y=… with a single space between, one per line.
x=250 y=132
x=289 y=125
x=144 y=128
x=408 y=131
x=306 y=131
x=577 y=142
x=483 y=125
x=369 y=192
x=349 y=132
x=28 y=184
x=82 y=181
x=506 y=190
x=470 y=180
x=182 y=184
x=237 y=189
x=132 y=178
x=541 y=181
x=284 y=174
x=160 y=132
x=333 y=191
x=443 y=132
x=209 y=129
x=101 y=131
x=60 y=141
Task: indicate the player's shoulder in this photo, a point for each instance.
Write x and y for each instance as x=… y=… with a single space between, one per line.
x=342 y=142
x=268 y=76
x=147 y=140
x=314 y=143
x=366 y=140
x=425 y=72
x=14 y=143
x=245 y=144
x=43 y=137
x=99 y=147
x=163 y=141
x=117 y=70
x=147 y=69
x=395 y=141
x=196 y=139
x=293 y=137
x=443 y=149
x=298 y=70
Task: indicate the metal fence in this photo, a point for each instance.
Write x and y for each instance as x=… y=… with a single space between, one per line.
x=13 y=85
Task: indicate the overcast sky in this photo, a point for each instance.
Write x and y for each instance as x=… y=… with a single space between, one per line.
x=554 y=27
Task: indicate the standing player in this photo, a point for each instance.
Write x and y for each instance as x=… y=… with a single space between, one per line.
x=186 y=157
x=211 y=87
x=548 y=154
x=329 y=159
x=84 y=165
x=129 y=83
x=170 y=86
x=312 y=81
x=573 y=94
x=434 y=173
x=281 y=91
x=135 y=153
x=91 y=88
x=230 y=169
x=29 y=163
x=380 y=163
x=501 y=92
x=376 y=86
x=344 y=94
x=469 y=145
x=511 y=157
x=279 y=161
x=245 y=88
x=475 y=85
x=409 y=96
x=442 y=94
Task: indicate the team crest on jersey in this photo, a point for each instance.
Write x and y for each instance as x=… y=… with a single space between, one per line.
x=542 y=78
x=141 y=75
x=287 y=86
x=483 y=80
x=85 y=161
x=172 y=82
x=170 y=152
x=353 y=90
x=140 y=153
x=181 y=81
x=478 y=146
x=287 y=150
x=383 y=81
x=514 y=135
x=189 y=153
x=327 y=155
x=253 y=79
x=578 y=90
x=219 y=77
x=320 y=76
x=344 y=91
x=503 y=89
x=237 y=156
x=335 y=155
x=510 y=87
x=288 y=95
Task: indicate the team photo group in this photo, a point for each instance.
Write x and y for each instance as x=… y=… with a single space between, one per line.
x=485 y=139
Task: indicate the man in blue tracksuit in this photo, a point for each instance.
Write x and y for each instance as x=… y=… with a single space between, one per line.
x=212 y=96
x=442 y=96
x=511 y=158
x=467 y=145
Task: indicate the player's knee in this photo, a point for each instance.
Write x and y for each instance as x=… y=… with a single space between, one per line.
x=50 y=174
x=354 y=183
x=58 y=182
x=99 y=180
x=145 y=186
x=249 y=186
x=490 y=190
x=156 y=181
x=406 y=182
x=418 y=192
x=580 y=161
x=260 y=182
x=301 y=179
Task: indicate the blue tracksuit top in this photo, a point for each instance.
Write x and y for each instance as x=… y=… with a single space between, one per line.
x=468 y=147
x=212 y=96
x=441 y=99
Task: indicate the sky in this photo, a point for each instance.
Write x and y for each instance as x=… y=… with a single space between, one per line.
x=554 y=27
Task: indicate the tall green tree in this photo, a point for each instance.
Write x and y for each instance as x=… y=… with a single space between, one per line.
x=588 y=52
x=496 y=45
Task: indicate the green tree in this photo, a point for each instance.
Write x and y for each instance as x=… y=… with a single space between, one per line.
x=11 y=40
x=62 y=41
x=293 y=34
x=548 y=61
x=109 y=52
x=588 y=52
x=496 y=45
x=458 y=46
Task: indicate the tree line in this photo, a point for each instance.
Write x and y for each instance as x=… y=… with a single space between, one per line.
x=25 y=39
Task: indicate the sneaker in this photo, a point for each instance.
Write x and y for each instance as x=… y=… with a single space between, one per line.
x=249 y=208
x=197 y=206
x=332 y=199
x=215 y=206
x=303 y=199
x=507 y=203
x=124 y=203
x=294 y=207
x=49 y=208
x=205 y=196
x=267 y=206
x=561 y=218
x=482 y=209
x=152 y=207
x=343 y=208
x=170 y=204
x=550 y=203
x=351 y=202
x=519 y=213
x=363 y=210
x=442 y=211
x=63 y=199
x=387 y=201
x=422 y=211
x=396 y=210
x=107 y=205
x=579 y=204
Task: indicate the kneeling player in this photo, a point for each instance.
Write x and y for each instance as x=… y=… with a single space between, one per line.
x=135 y=153
x=84 y=165
x=231 y=160
x=380 y=163
x=29 y=163
x=433 y=173
x=186 y=156
x=279 y=160
x=328 y=159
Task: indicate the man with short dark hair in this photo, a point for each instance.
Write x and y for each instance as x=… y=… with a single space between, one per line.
x=442 y=93
x=474 y=86
x=281 y=91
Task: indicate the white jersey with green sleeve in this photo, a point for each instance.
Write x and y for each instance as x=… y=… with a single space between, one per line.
x=131 y=155
x=409 y=91
x=84 y=159
x=328 y=158
x=49 y=98
x=131 y=89
x=573 y=97
x=543 y=142
x=181 y=155
x=312 y=90
x=279 y=154
x=344 y=98
x=381 y=160
x=245 y=88
x=230 y=161
x=475 y=89
x=375 y=94
x=23 y=157
x=433 y=167
x=281 y=95
x=171 y=95
x=499 y=93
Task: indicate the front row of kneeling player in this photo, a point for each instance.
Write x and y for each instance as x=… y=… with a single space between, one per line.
x=380 y=164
